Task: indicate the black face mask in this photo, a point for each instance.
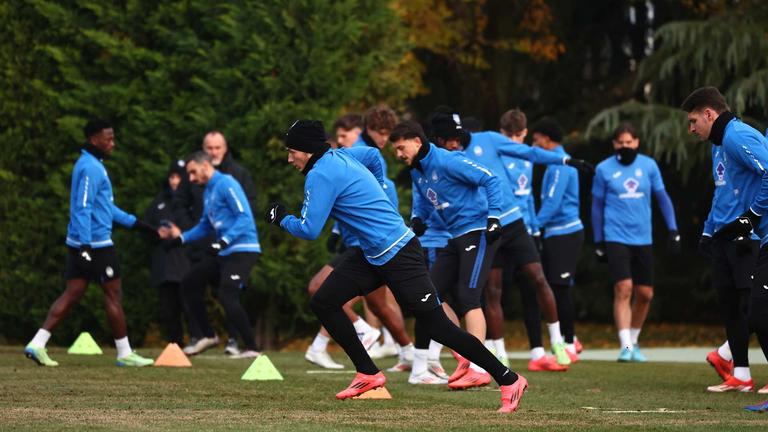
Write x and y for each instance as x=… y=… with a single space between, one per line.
x=626 y=155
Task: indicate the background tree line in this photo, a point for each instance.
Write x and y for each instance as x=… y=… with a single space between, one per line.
x=166 y=72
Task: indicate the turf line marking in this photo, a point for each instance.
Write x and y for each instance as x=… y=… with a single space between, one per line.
x=618 y=411
x=322 y=371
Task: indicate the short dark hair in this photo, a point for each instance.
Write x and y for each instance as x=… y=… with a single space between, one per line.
x=705 y=97
x=549 y=127
x=408 y=129
x=624 y=127
x=94 y=126
x=348 y=122
x=513 y=121
x=380 y=117
x=198 y=157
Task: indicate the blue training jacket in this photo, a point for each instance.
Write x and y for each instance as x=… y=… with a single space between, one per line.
x=488 y=148
x=449 y=183
x=226 y=211
x=436 y=236
x=340 y=186
x=559 y=212
x=91 y=205
x=741 y=180
x=520 y=175
x=621 y=201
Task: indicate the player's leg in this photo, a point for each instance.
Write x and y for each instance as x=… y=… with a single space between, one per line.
x=235 y=270
x=494 y=315
x=171 y=312
x=620 y=267
x=758 y=311
x=193 y=288
x=641 y=265
x=317 y=352
x=561 y=255
x=393 y=320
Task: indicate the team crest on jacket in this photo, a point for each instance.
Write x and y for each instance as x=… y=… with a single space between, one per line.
x=720 y=172
x=522 y=181
x=630 y=185
x=432 y=196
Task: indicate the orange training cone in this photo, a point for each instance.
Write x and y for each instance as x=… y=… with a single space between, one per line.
x=173 y=356
x=377 y=393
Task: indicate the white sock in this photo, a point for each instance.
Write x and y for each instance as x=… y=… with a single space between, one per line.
x=123 y=347
x=434 y=350
x=625 y=339
x=571 y=348
x=406 y=353
x=320 y=343
x=490 y=345
x=500 y=348
x=742 y=373
x=555 y=336
x=40 y=339
x=388 y=339
x=725 y=351
x=634 y=333
x=476 y=368
x=537 y=353
x=361 y=326
x=419 y=361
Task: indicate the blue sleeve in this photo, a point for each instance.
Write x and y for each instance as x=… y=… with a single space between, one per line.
x=533 y=154
x=752 y=154
x=552 y=195
x=535 y=225
x=201 y=230
x=709 y=224
x=472 y=173
x=598 y=207
x=667 y=209
x=370 y=158
x=85 y=193
x=319 y=197
x=391 y=191
x=121 y=217
x=657 y=183
x=421 y=208
x=237 y=202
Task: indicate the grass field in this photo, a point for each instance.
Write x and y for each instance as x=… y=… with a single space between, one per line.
x=89 y=392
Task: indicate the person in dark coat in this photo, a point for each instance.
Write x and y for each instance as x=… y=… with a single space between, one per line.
x=168 y=266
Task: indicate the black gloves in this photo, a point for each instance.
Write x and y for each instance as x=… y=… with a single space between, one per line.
x=675 y=246
x=418 y=226
x=333 y=242
x=276 y=213
x=216 y=247
x=742 y=226
x=581 y=165
x=145 y=228
x=493 y=231
x=705 y=246
x=600 y=252
x=86 y=256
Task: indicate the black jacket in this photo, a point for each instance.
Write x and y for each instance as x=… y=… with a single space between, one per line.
x=188 y=203
x=167 y=265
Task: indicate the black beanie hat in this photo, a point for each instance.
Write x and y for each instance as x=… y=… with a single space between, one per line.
x=177 y=167
x=307 y=136
x=447 y=126
x=548 y=127
x=94 y=126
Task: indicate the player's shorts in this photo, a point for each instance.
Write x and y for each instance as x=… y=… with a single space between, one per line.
x=560 y=257
x=733 y=264
x=515 y=247
x=630 y=262
x=405 y=274
x=341 y=256
x=461 y=270
x=430 y=255
x=104 y=265
x=759 y=290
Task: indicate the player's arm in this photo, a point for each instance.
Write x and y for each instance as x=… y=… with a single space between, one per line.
x=534 y=154
x=753 y=155
x=535 y=225
x=122 y=217
x=370 y=158
x=553 y=195
x=236 y=201
x=319 y=197
x=85 y=193
x=663 y=199
x=474 y=174
x=598 y=206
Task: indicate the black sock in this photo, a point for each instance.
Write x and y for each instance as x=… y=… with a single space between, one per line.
x=564 y=299
x=737 y=326
x=758 y=317
x=531 y=312
x=442 y=330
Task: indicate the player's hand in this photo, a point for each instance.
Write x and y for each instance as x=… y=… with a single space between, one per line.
x=493 y=230
x=333 y=242
x=705 y=246
x=145 y=228
x=418 y=226
x=216 y=247
x=276 y=213
x=581 y=165
x=742 y=226
x=538 y=242
x=85 y=253
x=600 y=252
x=675 y=245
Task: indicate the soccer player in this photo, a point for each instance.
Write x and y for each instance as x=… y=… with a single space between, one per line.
x=739 y=158
x=338 y=185
x=558 y=216
x=621 y=220
x=231 y=255
x=347 y=129
x=516 y=245
x=91 y=255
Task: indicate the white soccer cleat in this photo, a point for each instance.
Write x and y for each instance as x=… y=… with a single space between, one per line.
x=435 y=368
x=246 y=354
x=369 y=338
x=427 y=378
x=322 y=359
x=201 y=345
